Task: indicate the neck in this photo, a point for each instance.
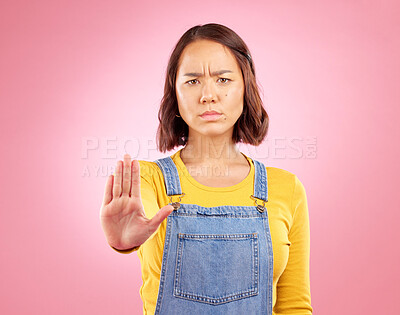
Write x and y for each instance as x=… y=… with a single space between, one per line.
x=211 y=150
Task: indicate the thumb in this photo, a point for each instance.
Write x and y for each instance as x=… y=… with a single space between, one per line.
x=161 y=215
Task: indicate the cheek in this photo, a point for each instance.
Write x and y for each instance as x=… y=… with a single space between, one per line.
x=235 y=99
x=235 y=92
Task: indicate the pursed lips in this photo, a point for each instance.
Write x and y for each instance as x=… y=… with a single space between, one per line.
x=210 y=115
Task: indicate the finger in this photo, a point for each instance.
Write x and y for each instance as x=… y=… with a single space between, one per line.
x=126 y=181
x=108 y=190
x=135 y=189
x=161 y=215
x=117 y=180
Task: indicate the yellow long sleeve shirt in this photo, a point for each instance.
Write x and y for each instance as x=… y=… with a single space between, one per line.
x=288 y=220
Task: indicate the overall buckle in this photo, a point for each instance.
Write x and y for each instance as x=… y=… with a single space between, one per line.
x=176 y=204
x=260 y=208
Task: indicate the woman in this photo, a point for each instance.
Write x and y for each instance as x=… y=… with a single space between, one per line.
x=231 y=236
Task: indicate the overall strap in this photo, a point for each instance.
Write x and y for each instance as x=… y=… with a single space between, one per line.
x=171 y=177
x=260 y=181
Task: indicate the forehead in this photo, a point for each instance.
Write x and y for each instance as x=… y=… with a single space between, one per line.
x=206 y=54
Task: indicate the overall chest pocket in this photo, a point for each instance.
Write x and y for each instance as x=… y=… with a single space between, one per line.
x=216 y=268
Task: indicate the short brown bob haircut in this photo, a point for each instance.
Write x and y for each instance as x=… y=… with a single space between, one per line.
x=252 y=125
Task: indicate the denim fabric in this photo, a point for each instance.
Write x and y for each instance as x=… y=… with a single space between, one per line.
x=216 y=260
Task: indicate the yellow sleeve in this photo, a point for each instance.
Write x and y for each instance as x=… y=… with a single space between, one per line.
x=293 y=287
x=148 y=196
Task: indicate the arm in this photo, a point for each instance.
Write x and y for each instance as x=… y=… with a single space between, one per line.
x=293 y=288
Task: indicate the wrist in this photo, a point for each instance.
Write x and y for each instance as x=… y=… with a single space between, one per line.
x=126 y=249
x=121 y=246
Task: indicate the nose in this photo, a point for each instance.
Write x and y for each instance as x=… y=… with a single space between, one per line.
x=208 y=93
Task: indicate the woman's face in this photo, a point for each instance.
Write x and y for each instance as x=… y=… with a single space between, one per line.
x=209 y=79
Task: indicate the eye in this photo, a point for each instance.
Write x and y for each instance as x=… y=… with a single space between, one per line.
x=225 y=79
x=189 y=82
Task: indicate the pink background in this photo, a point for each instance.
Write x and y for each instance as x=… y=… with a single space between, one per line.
x=81 y=82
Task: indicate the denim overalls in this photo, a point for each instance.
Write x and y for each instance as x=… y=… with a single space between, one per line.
x=216 y=260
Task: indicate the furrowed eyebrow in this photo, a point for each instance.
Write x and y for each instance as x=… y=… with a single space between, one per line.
x=196 y=74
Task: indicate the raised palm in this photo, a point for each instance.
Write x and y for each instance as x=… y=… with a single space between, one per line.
x=122 y=216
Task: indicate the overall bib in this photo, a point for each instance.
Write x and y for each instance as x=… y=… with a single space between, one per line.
x=216 y=260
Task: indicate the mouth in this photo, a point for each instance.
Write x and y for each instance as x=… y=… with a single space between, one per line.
x=211 y=117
